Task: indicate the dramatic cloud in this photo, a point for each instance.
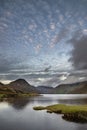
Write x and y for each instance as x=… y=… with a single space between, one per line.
x=79 y=52
x=34 y=35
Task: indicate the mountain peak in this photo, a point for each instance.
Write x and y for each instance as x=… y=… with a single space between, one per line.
x=22 y=84
x=20 y=81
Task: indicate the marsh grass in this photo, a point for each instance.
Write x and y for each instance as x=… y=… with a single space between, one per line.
x=71 y=113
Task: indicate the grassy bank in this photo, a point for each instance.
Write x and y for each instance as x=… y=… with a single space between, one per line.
x=27 y=95
x=2 y=95
x=70 y=113
x=14 y=95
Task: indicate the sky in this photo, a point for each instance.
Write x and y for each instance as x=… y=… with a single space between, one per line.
x=43 y=41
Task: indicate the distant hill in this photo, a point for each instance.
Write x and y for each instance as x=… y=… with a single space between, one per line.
x=45 y=89
x=80 y=90
x=74 y=88
x=80 y=87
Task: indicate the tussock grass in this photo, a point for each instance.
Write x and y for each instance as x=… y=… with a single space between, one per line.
x=76 y=113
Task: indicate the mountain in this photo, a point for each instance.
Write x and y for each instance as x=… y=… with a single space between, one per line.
x=73 y=88
x=79 y=87
x=1 y=84
x=19 y=87
x=22 y=86
x=82 y=89
x=45 y=89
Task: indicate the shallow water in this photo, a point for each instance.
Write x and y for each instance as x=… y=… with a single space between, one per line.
x=17 y=114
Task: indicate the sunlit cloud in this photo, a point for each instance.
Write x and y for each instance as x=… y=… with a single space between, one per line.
x=5 y=81
x=63 y=77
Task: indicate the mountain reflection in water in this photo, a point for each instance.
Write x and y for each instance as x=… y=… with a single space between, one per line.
x=18 y=113
x=21 y=103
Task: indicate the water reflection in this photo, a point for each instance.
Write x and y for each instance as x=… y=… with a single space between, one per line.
x=73 y=101
x=21 y=103
x=17 y=114
x=17 y=103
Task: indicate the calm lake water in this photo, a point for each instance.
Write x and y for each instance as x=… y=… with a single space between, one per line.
x=17 y=114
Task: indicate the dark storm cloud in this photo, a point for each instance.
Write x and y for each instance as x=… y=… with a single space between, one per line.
x=79 y=51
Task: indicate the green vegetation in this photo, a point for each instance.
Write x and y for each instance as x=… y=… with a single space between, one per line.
x=70 y=113
x=27 y=94
x=64 y=108
x=39 y=108
x=12 y=95
x=7 y=92
x=2 y=96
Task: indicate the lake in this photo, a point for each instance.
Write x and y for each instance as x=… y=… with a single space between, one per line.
x=18 y=114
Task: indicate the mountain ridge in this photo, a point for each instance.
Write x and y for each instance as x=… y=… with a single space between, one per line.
x=69 y=88
x=22 y=86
